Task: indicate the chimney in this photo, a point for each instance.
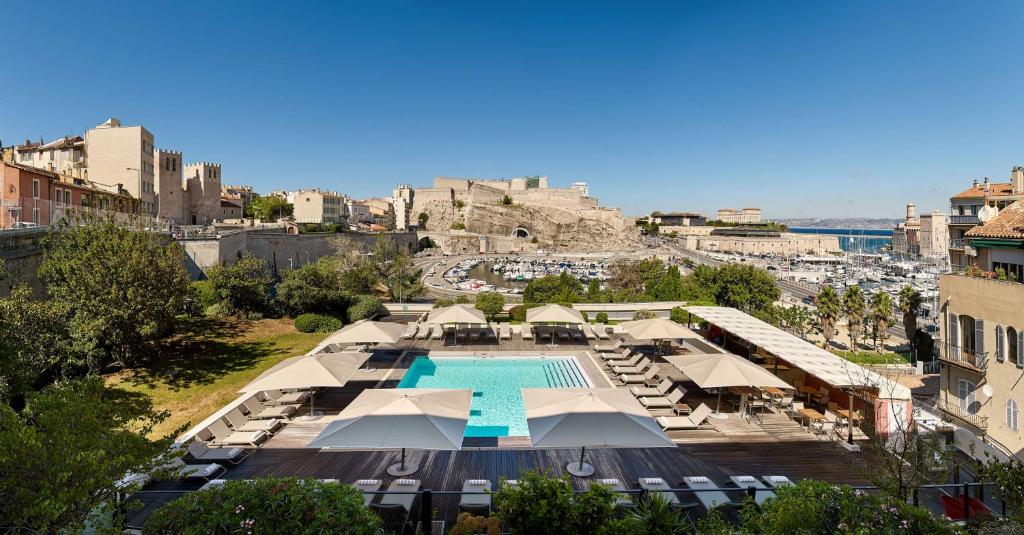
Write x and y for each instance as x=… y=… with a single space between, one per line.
x=975 y=182
x=1017 y=178
x=987 y=184
x=911 y=211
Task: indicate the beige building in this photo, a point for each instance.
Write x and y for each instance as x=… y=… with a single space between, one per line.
x=982 y=352
x=317 y=206
x=202 y=186
x=229 y=210
x=65 y=156
x=906 y=235
x=358 y=214
x=118 y=154
x=401 y=205
x=381 y=213
x=240 y=195
x=739 y=215
x=934 y=237
x=171 y=198
x=786 y=243
x=977 y=204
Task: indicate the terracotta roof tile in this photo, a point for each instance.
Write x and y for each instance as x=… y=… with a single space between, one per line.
x=977 y=191
x=1008 y=224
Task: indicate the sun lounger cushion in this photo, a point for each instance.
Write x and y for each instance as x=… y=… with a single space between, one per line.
x=652 y=481
x=477 y=481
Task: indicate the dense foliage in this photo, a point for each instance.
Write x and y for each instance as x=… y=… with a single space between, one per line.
x=563 y=288
x=543 y=504
x=366 y=307
x=120 y=288
x=34 y=348
x=244 y=286
x=63 y=454
x=268 y=505
x=268 y=209
x=317 y=323
x=490 y=303
x=314 y=287
x=828 y=309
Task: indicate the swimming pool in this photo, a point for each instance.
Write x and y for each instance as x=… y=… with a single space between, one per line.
x=497 y=409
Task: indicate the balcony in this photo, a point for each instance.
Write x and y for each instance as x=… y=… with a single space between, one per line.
x=956 y=244
x=964 y=220
x=963 y=359
x=953 y=410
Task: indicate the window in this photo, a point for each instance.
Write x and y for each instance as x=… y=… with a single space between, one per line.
x=67 y=197
x=59 y=196
x=35 y=215
x=35 y=189
x=967 y=334
x=965 y=393
x=1011 y=414
x=1013 y=347
x=1000 y=344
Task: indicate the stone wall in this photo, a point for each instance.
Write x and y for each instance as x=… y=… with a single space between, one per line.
x=786 y=244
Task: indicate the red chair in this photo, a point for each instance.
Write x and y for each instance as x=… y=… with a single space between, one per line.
x=954 y=507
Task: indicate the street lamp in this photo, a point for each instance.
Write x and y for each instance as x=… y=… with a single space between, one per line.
x=140 y=179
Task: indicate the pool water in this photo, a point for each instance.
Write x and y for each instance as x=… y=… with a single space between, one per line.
x=497 y=409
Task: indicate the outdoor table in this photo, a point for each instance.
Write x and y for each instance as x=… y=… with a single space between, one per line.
x=811 y=415
x=772 y=391
x=845 y=413
x=681 y=408
x=809 y=390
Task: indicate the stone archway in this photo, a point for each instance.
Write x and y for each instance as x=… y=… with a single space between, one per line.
x=520 y=232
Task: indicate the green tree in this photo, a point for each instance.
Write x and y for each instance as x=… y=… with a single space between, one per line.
x=314 y=287
x=63 y=455
x=679 y=315
x=881 y=315
x=910 y=305
x=799 y=320
x=743 y=287
x=855 y=308
x=366 y=307
x=544 y=504
x=670 y=286
x=828 y=313
x=594 y=294
x=121 y=288
x=442 y=302
x=395 y=273
x=422 y=220
x=269 y=208
x=34 y=348
x=268 y=505
x=243 y=286
x=490 y=303
x=562 y=288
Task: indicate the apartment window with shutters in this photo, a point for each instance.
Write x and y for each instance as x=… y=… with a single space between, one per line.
x=967 y=331
x=965 y=394
x=953 y=337
x=59 y=196
x=1013 y=347
x=67 y=197
x=35 y=189
x=1011 y=414
x=1000 y=344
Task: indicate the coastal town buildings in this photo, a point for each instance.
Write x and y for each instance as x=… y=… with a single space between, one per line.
x=34 y=197
x=202 y=187
x=739 y=215
x=318 y=206
x=240 y=195
x=974 y=206
x=677 y=219
x=65 y=155
x=905 y=237
x=401 y=202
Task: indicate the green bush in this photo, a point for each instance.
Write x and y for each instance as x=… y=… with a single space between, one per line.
x=678 y=315
x=443 y=302
x=317 y=323
x=518 y=312
x=268 y=505
x=218 y=310
x=204 y=294
x=544 y=504
x=458 y=225
x=601 y=317
x=644 y=314
x=245 y=285
x=314 y=287
x=366 y=307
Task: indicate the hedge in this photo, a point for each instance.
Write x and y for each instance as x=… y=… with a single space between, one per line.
x=317 y=323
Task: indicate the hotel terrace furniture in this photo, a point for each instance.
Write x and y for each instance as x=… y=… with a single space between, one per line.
x=635 y=379
x=320 y=370
x=258 y=410
x=745 y=482
x=663 y=387
x=213 y=483
x=622 y=499
x=657 y=485
x=368 y=486
x=410 y=331
x=626 y=363
x=527 y=331
x=195 y=471
x=241 y=422
x=424 y=332
x=777 y=481
x=200 y=451
x=662 y=402
x=476 y=495
x=601 y=330
x=399 y=501
x=620 y=354
x=588 y=331
x=811 y=415
x=438 y=333
x=219 y=433
x=709 y=497
x=826 y=425
x=680 y=409
x=619 y=344
x=280 y=397
x=506 y=331
x=724 y=370
x=808 y=391
x=657 y=330
x=693 y=421
x=641 y=367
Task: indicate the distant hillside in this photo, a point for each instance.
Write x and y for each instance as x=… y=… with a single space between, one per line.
x=840 y=222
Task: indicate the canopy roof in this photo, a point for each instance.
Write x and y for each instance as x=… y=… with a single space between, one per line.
x=309 y=371
x=365 y=332
x=723 y=370
x=812 y=359
x=590 y=417
x=656 y=329
x=421 y=418
x=457 y=314
x=554 y=314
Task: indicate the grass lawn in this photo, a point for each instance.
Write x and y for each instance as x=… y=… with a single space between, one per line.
x=872 y=357
x=202 y=367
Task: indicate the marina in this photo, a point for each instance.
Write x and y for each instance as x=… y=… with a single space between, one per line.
x=511 y=275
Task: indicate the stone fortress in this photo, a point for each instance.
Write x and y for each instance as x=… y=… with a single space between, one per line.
x=517 y=215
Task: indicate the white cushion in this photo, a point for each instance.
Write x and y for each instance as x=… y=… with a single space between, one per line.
x=609 y=482
x=405 y=482
x=477 y=481
x=778 y=479
x=367 y=482
x=698 y=479
x=652 y=481
x=745 y=479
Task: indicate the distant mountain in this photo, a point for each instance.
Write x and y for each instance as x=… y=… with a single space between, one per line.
x=840 y=222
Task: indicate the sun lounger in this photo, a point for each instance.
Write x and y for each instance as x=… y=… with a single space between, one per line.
x=368 y=485
x=632 y=361
x=258 y=411
x=544 y=334
x=710 y=498
x=588 y=332
x=489 y=333
x=424 y=332
x=663 y=387
x=241 y=422
x=438 y=332
x=399 y=501
x=563 y=333
x=213 y=483
x=627 y=379
x=621 y=498
x=527 y=332
x=662 y=402
x=692 y=421
x=641 y=367
x=506 y=331
x=623 y=354
x=657 y=485
x=200 y=451
x=280 y=397
x=577 y=333
x=476 y=495
x=619 y=344
x=223 y=435
x=195 y=471
x=509 y=482
x=777 y=481
x=745 y=482
x=601 y=330
x=410 y=331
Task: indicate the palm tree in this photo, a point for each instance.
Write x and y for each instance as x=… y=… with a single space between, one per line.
x=854 y=307
x=828 y=312
x=881 y=314
x=910 y=304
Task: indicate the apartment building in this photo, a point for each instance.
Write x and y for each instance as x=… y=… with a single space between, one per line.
x=171 y=198
x=974 y=206
x=739 y=215
x=933 y=239
x=202 y=188
x=36 y=197
x=65 y=155
x=317 y=206
x=982 y=353
x=382 y=214
x=118 y=154
x=358 y=214
x=401 y=203
x=240 y=195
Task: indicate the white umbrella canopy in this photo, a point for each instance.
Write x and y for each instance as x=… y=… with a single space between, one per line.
x=723 y=370
x=365 y=332
x=590 y=417
x=554 y=314
x=457 y=314
x=427 y=418
x=308 y=371
x=656 y=329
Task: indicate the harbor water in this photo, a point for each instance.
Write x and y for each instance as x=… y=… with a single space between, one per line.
x=854 y=240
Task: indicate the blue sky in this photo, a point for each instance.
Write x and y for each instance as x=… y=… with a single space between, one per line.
x=805 y=109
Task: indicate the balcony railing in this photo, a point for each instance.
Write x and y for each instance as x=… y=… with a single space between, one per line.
x=956 y=244
x=965 y=359
x=952 y=408
x=964 y=220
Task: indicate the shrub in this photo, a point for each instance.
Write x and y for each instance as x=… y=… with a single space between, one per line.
x=545 y=504
x=317 y=323
x=443 y=302
x=490 y=303
x=458 y=225
x=601 y=317
x=518 y=312
x=678 y=315
x=467 y=524
x=218 y=310
x=314 y=287
x=268 y=505
x=245 y=285
x=366 y=307
x=203 y=294
x=644 y=314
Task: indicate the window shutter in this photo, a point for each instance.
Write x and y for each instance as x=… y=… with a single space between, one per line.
x=1000 y=344
x=1020 y=349
x=953 y=343
x=979 y=338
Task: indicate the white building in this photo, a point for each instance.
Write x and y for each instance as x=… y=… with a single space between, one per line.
x=123 y=155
